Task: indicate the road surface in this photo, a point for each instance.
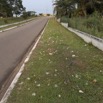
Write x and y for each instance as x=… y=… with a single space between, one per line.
x=15 y=43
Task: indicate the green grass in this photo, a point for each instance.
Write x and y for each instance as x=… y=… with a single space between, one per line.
x=4 y=21
x=3 y=28
x=92 y=24
x=62 y=69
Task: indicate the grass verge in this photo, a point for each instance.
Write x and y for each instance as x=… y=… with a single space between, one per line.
x=13 y=25
x=92 y=24
x=4 y=21
x=62 y=69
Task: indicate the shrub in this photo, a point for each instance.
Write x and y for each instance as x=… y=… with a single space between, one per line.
x=92 y=24
x=5 y=21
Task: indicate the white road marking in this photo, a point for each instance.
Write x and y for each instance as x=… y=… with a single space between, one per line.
x=15 y=80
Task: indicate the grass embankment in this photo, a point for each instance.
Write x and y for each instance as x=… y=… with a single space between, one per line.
x=92 y=24
x=62 y=69
x=4 y=21
x=13 y=20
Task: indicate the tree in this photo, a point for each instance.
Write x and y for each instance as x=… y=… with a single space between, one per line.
x=65 y=7
x=84 y=7
x=10 y=7
x=18 y=7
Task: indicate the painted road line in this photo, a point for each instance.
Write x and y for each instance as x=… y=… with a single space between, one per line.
x=15 y=80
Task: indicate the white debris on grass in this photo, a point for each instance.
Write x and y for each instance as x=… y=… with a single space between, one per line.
x=94 y=81
x=47 y=73
x=55 y=85
x=85 y=45
x=52 y=41
x=80 y=91
x=40 y=53
x=35 y=82
x=101 y=71
x=28 y=88
x=65 y=82
x=49 y=38
x=55 y=75
x=48 y=84
x=33 y=94
x=50 y=61
x=56 y=51
x=56 y=70
x=50 y=54
x=38 y=85
x=76 y=76
x=59 y=96
x=41 y=97
x=86 y=83
x=66 y=58
x=28 y=78
x=73 y=56
x=72 y=51
x=21 y=83
x=72 y=75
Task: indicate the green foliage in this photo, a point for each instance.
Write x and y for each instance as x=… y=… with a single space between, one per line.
x=25 y=15
x=91 y=24
x=77 y=7
x=48 y=14
x=5 y=21
x=28 y=14
x=10 y=7
x=64 y=19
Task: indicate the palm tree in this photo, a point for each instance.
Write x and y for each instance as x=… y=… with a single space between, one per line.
x=64 y=7
x=84 y=8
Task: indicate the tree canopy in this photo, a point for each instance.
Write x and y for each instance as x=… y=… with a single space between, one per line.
x=10 y=7
x=77 y=7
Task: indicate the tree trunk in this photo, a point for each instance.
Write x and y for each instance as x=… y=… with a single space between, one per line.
x=84 y=12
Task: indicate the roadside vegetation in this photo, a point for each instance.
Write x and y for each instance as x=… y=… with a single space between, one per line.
x=8 y=8
x=19 y=24
x=13 y=11
x=84 y=15
x=4 y=21
x=62 y=69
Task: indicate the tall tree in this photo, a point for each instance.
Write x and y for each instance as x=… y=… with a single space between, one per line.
x=10 y=7
x=84 y=7
x=18 y=7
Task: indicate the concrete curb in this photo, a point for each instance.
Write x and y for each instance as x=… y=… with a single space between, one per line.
x=15 y=80
x=95 y=41
x=16 y=23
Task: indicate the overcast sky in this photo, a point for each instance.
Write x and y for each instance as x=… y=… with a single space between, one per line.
x=40 y=6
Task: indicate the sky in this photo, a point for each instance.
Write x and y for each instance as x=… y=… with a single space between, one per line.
x=40 y=6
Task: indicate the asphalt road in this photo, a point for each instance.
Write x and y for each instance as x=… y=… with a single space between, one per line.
x=14 y=44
